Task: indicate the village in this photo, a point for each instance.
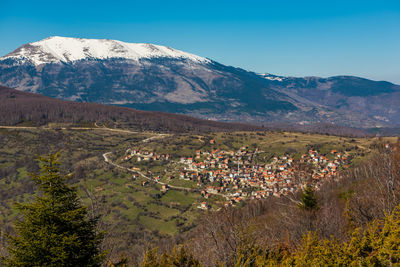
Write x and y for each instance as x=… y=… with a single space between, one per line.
x=238 y=175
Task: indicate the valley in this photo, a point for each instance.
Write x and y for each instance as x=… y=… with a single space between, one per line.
x=150 y=186
x=199 y=133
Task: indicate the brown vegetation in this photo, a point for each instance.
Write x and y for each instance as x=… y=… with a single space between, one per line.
x=18 y=107
x=365 y=194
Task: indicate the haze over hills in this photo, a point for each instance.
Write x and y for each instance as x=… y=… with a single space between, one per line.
x=152 y=77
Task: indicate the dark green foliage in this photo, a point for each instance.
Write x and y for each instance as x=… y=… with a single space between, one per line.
x=55 y=229
x=308 y=199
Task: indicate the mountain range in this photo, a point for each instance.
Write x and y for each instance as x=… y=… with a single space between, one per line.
x=159 y=78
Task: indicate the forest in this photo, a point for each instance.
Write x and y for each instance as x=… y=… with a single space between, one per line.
x=29 y=109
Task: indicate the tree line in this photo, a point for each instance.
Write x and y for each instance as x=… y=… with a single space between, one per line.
x=18 y=107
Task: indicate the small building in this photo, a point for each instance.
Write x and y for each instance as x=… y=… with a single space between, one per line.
x=164 y=187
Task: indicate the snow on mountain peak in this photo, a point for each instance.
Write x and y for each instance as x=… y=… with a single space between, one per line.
x=64 y=49
x=272 y=77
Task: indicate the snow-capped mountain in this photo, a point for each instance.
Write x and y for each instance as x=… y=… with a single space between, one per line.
x=272 y=77
x=63 y=49
x=153 y=77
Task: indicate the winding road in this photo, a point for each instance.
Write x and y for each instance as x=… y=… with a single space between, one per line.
x=158 y=136
x=106 y=159
x=105 y=155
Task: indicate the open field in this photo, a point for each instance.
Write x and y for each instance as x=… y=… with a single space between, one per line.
x=127 y=207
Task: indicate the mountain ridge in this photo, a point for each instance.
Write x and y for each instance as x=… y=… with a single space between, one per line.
x=198 y=86
x=58 y=49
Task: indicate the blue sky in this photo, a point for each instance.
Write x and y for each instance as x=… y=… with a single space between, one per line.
x=296 y=38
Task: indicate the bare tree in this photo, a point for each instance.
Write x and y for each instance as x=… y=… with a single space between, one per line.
x=376 y=186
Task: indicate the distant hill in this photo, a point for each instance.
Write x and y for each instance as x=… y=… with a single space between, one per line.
x=372 y=103
x=153 y=77
x=18 y=108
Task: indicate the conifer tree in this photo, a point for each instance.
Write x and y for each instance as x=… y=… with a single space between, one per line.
x=55 y=229
x=308 y=199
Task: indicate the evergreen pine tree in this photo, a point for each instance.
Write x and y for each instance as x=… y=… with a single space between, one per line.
x=308 y=199
x=55 y=229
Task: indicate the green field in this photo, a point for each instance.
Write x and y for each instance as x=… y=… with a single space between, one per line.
x=127 y=208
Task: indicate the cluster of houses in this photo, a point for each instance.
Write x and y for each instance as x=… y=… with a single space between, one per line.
x=144 y=155
x=325 y=168
x=238 y=175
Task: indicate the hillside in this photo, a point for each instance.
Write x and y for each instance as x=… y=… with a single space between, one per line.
x=135 y=209
x=152 y=77
x=33 y=109
x=29 y=109
x=346 y=94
